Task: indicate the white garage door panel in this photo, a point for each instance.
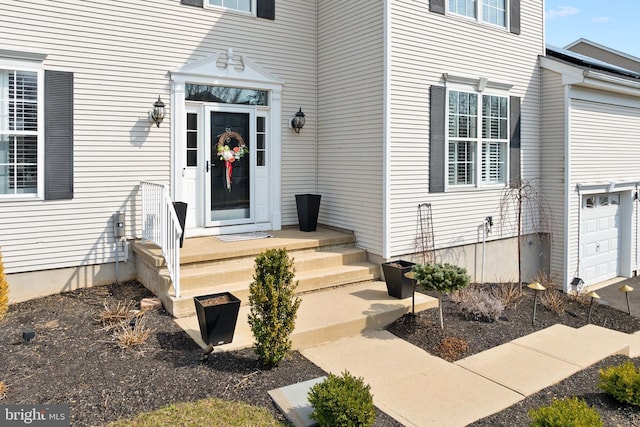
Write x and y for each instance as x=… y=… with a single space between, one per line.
x=600 y=238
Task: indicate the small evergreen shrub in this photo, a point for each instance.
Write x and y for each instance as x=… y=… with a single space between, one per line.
x=479 y=304
x=622 y=382
x=4 y=291
x=568 y=412
x=441 y=278
x=274 y=305
x=342 y=401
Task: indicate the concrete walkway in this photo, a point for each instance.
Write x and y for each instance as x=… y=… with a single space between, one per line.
x=419 y=389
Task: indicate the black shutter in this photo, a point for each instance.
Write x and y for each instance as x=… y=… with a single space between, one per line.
x=514 y=19
x=514 y=143
x=58 y=135
x=266 y=9
x=437 y=121
x=437 y=6
x=196 y=3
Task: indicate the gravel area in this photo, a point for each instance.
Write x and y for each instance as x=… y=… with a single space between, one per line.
x=73 y=359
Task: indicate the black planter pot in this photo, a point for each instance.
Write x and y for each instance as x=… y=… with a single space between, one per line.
x=308 y=206
x=217 y=316
x=398 y=286
x=181 y=212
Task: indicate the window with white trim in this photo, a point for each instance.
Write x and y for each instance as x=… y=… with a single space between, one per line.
x=478 y=139
x=241 y=5
x=19 y=124
x=490 y=11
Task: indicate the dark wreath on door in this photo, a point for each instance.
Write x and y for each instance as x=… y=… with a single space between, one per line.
x=230 y=171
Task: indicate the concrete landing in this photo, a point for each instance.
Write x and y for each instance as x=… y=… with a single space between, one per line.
x=327 y=316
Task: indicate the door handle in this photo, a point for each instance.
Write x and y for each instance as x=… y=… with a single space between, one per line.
x=207 y=166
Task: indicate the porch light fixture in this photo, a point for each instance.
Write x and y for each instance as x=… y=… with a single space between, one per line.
x=298 y=120
x=157 y=114
x=537 y=287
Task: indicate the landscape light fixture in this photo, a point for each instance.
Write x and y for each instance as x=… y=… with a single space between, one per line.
x=298 y=121
x=626 y=289
x=28 y=335
x=537 y=287
x=157 y=114
x=593 y=296
x=411 y=275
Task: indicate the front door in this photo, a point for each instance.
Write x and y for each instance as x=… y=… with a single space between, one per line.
x=230 y=166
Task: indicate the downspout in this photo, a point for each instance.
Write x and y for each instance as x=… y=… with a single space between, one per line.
x=567 y=189
x=317 y=104
x=386 y=146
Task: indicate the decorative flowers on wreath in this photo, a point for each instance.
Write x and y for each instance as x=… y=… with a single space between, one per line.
x=230 y=155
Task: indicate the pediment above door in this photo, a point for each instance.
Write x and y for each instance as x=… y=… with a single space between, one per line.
x=225 y=66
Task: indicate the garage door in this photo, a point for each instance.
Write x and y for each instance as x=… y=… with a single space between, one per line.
x=600 y=239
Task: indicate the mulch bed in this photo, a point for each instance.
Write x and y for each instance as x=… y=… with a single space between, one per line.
x=74 y=360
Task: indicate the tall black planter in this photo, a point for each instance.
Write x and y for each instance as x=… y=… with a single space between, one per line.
x=217 y=316
x=308 y=206
x=181 y=212
x=398 y=286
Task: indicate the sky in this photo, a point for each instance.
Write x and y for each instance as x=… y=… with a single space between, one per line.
x=612 y=23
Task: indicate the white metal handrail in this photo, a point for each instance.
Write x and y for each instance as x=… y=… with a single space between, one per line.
x=161 y=226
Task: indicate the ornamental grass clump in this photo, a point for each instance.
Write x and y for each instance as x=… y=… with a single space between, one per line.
x=342 y=401
x=441 y=278
x=4 y=291
x=274 y=305
x=479 y=304
x=568 y=412
x=622 y=382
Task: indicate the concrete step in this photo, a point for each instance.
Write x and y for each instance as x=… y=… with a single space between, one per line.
x=242 y=269
x=308 y=281
x=327 y=315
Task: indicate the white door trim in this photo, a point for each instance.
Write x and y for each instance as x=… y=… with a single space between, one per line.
x=230 y=71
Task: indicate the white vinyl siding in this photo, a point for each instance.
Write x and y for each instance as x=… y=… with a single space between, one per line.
x=117 y=78
x=423 y=47
x=552 y=166
x=351 y=113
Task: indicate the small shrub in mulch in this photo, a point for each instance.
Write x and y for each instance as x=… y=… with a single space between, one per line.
x=3 y=390
x=622 y=382
x=479 y=304
x=342 y=401
x=451 y=348
x=570 y=411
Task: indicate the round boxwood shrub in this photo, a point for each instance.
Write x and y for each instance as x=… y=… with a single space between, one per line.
x=342 y=401
x=622 y=382
x=568 y=412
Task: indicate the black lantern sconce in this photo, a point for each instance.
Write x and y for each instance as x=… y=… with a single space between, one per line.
x=157 y=114
x=298 y=120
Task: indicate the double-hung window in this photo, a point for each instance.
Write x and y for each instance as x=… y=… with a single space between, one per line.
x=241 y=5
x=20 y=124
x=478 y=139
x=490 y=11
